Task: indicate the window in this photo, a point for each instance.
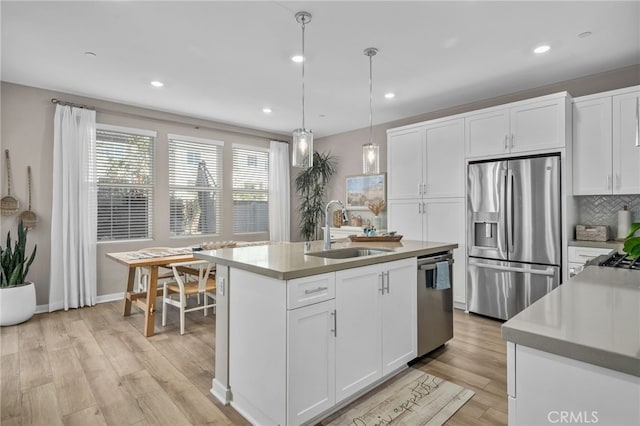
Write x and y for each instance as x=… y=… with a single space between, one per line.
x=250 y=189
x=195 y=186
x=124 y=169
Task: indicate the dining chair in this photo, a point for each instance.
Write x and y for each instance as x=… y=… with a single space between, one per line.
x=143 y=272
x=190 y=278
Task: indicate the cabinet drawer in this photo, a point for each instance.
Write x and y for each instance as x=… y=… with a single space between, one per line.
x=309 y=290
x=584 y=254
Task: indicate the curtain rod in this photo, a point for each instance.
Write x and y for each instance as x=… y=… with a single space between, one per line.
x=160 y=120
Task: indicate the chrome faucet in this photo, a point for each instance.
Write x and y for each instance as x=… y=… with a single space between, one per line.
x=327 y=232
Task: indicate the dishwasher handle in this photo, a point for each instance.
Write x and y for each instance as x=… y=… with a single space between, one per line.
x=430 y=266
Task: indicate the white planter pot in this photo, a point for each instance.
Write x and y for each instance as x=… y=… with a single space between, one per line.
x=17 y=304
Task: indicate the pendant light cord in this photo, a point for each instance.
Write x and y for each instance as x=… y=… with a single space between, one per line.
x=370 y=99
x=304 y=59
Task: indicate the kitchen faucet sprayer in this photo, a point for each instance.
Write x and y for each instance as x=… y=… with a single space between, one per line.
x=327 y=233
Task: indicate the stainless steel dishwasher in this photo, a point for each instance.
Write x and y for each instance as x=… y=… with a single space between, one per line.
x=435 y=307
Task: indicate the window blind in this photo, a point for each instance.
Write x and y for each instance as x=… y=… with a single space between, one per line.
x=195 y=186
x=124 y=170
x=250 y=189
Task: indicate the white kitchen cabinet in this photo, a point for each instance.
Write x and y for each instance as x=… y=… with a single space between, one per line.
x=426 y=160
x=426 y=169
x=310 y=361
x=405 y=162
x=376 y=307
x=605 y=152
x=626 y=143
x=441 y=220
x=592 y=141
x=399 y=314
x=578 y=256
x=358 y=337
x=548 y=387
x=526 y=126
x=444 y=159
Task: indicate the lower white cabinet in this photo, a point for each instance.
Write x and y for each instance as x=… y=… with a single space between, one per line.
x=310 y=361
x=376 y=311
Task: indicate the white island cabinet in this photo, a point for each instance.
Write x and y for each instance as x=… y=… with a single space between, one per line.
x=376 y=323
x=308 y=334
x=573 y=356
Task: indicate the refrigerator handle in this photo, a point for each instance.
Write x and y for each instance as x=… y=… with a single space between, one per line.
x=509 y=204
x=548 y=271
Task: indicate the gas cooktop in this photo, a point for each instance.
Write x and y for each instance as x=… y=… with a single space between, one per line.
x=618 y=260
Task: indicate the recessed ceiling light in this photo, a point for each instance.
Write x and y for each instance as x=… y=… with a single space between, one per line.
x=266 y=110
x=542 y=48
x=585 y=34
x=156 y=83
x=297 y=58
x=91 y=54
x=389 y=95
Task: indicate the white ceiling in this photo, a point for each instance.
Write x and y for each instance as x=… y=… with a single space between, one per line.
x=225 y=61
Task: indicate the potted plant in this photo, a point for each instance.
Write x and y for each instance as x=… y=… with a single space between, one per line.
x=17 y=296
x=311 y=186
x=631 y=243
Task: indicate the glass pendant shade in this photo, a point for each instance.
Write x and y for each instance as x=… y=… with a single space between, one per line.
x=302 y=148
x=370 y=159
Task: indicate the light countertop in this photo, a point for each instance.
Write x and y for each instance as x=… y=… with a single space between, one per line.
x=288 y=260
x=594 y=318
x=610 y=244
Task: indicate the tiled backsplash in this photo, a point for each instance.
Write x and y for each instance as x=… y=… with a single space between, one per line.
x=603 y=210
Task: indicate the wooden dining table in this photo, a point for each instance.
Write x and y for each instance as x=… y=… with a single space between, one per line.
x=153 y=260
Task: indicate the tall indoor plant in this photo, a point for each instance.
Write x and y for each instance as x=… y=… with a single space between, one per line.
x=311 y=186
x=17 y=296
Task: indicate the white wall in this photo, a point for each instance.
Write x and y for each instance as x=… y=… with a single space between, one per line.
x=27 y=131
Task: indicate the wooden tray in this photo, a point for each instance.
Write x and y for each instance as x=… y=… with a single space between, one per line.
x=375 y=239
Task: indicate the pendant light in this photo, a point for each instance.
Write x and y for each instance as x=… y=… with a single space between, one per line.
x=302 y=137
x=370 y=151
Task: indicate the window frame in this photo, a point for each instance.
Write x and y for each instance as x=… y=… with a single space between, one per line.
x=251 y=148
x=151 y=187
x=196 y=140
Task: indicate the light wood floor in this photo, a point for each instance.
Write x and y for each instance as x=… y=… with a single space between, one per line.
x=92 y=366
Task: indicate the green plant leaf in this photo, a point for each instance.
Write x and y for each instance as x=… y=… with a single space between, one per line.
x=632 y=247
x=13 y=263
x=632 y=230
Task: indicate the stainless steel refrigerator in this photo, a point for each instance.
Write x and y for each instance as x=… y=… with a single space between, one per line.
x=513 y=233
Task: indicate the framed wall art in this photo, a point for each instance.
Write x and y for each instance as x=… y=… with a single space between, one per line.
x=363 y=189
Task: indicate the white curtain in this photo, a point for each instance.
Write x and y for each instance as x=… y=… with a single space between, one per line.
x=73 y=219
x=279 y=200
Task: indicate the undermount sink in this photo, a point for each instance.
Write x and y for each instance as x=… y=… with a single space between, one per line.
x=346 y=253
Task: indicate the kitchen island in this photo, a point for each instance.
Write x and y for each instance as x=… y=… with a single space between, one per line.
x=300 y=334
x=574 y=355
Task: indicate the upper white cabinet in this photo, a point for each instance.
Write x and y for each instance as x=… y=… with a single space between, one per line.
x=426 y=160
x=605 y=145
x=626 y=143
x=592 y=151
x=405 y=162
x=532 y=125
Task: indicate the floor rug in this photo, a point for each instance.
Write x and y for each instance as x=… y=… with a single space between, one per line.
x=411 y=398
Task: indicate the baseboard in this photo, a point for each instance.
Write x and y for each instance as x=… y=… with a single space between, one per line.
x=460 y=305
x=221 y=392
x=40 y=309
